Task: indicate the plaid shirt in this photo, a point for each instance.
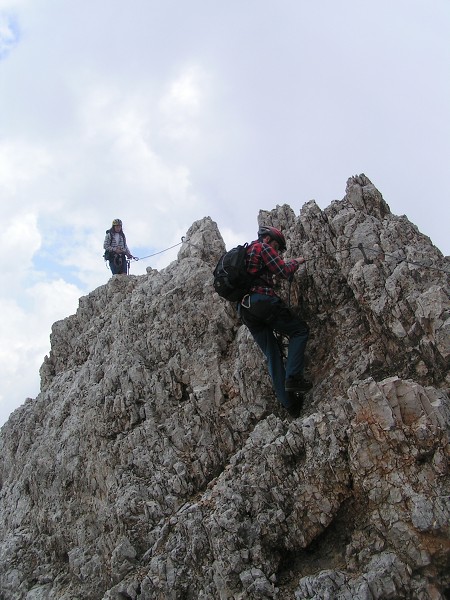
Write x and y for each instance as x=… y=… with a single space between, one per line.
x=263 y=259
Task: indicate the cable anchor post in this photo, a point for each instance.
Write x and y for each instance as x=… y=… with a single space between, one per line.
x=366 y=259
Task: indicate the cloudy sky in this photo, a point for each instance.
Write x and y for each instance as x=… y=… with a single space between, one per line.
x=161 y=112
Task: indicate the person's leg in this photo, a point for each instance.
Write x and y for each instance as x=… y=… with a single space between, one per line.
x=284 y=321
x=258 y=318
x=266 y=340
x=113 y=267
x=295 y=363
x=118 y=265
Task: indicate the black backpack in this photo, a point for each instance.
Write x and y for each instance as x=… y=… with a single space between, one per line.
x=231 y=278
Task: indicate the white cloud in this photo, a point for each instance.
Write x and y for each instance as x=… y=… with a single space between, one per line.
x=23 y=240
x=20 y=229
x=54 y=300
x=21 y=163
x=182 y=104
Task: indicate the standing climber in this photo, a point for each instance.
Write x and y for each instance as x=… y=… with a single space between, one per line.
x=263 y=312
x=116 y=249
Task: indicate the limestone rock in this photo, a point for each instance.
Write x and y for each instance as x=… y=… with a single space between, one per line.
x=156 y=462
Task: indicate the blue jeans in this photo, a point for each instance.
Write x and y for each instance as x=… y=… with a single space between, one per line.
x=265 y=315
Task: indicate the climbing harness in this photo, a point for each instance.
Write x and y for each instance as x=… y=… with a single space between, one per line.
x=282 y=343
x=282 y=340
x=117 y=261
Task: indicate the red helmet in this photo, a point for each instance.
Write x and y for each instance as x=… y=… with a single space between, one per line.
x=275 y=234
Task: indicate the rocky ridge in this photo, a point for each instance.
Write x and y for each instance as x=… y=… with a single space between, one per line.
x=156 y=462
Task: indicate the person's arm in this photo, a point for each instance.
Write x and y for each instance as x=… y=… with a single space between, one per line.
x=127 y=252
x=107 y=243
x=276 y=265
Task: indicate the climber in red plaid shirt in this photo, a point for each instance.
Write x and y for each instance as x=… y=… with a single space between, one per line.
x=263 y=312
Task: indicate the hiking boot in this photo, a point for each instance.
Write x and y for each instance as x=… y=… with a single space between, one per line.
x=297 y=384
x=295 y=408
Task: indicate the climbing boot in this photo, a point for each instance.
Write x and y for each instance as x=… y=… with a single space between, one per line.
x=296 y=405
x=297 y=384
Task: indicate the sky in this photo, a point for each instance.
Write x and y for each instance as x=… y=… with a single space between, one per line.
x=163 y=112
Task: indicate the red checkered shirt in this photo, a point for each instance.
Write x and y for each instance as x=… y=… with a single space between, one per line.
x=263 y=259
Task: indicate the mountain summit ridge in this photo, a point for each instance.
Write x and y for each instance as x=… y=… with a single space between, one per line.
x=157 y=463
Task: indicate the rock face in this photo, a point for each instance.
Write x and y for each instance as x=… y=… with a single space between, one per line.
x=156 y=462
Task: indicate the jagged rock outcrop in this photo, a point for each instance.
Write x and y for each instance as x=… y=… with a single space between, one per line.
x=156 y=463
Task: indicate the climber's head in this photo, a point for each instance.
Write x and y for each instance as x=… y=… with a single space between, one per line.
x=274 y=234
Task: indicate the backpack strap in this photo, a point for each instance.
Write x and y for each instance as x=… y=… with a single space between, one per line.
x=261 y=270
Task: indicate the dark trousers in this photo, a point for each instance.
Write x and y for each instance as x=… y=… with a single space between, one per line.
x=264 y=315
x=118 y=264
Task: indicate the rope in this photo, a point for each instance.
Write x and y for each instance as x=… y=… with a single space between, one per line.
x=358 y=247
x=384 y=254
x=183 y=240
x=378 y=252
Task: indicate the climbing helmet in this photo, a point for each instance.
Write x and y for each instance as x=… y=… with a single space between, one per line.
x=275 y=234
